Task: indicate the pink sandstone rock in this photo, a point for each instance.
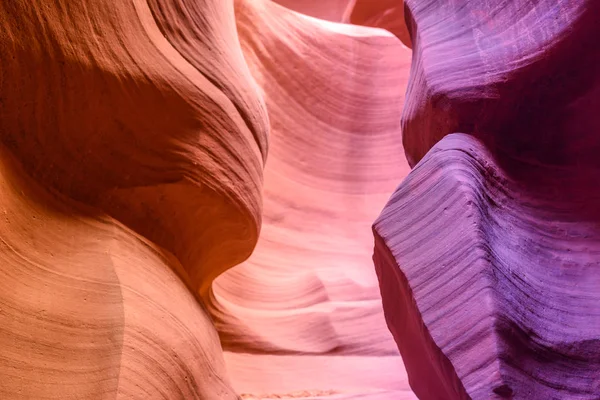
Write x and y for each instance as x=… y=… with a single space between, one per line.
x=329 y=10
x=133 y=144
x=306 y=305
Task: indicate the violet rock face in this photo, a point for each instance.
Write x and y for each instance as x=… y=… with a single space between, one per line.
x=488 y=253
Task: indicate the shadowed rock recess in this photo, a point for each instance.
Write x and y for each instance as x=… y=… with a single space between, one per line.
x=488 y=253
x=188 y=190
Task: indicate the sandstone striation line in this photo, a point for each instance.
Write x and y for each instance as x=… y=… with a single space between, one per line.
x=489 y=270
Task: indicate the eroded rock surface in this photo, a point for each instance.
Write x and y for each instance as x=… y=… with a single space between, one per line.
x=522 y=76
x=133 y=142
x=488 y=252
x=493 y=276
x=102 y=111
x=306 y=305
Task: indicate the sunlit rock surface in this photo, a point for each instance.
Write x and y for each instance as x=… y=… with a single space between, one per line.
x=305 y=311
x=134 y=139
x=188 y=190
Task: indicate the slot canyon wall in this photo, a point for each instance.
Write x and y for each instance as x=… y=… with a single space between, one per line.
x=488 y=253
x=191 y=190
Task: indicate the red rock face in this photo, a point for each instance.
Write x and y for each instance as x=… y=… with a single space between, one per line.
x=329 y=10
x=133 y=159
x=188 y=191
x=386 y=14
x=488 y=252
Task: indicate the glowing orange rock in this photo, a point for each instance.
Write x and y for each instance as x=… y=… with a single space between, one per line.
x=98 y=106
x=133 y=138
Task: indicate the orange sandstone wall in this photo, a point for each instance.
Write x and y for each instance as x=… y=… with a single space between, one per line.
x=134 y=141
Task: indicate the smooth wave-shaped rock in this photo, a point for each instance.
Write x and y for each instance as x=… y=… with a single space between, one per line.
x=489 y=270
x=133 y=138
x=304 y=312
x=90 y=310
x=106 y=108
x=487 y=253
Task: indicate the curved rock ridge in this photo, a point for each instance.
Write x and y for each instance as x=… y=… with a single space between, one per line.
x=487 y=253
x=385 y=14
x=304 y=312
x=108 y=114
x=135 y=125
x=133 y=138
x=329 y=10
x=489 y=270
x=91 y=310
x=523 y=76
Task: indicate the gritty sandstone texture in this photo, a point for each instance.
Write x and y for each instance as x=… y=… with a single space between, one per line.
x=488 y=253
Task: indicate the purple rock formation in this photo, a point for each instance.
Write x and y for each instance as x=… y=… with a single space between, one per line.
x=488 y=254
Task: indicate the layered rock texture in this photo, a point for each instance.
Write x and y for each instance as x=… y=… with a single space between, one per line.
x=188 y=189
x=127 y=170
x=304 y=312
x=133 y=144
x=488 y=253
